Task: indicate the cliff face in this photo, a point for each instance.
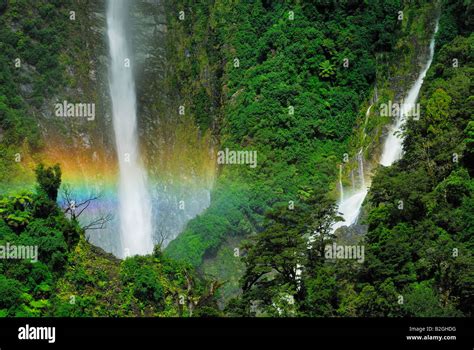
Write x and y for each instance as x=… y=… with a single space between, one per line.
x=264 y=64
x=183 y=69
x=174 y=150
x=396 y=73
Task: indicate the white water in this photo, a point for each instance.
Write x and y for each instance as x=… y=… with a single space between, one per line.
x=341 y=188
x=134 y=201
x=350 y=207
x=366 y=120
x=361 y=168
x=353 y=180
x=392 y=150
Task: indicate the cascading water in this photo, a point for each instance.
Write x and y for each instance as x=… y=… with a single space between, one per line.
x=392 y=150
x=360 y=157
x=350 y=207
x=341 y=188
x=366 y=120
x=352 y=180
x=135 y=212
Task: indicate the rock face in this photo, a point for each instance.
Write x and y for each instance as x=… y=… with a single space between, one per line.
x=85 y=147
x=174 y=151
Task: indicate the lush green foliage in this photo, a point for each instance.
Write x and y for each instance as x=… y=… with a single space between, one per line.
x=285 y=79
x=283 y=64
x=34 y=36
x=97 y=284
x=281 y=266
x=33 y=220
x=418 y=259
x=74 y=278
x=425 y=248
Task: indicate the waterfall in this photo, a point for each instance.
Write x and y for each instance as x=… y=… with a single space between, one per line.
x=352 y=180
x=134 y=201
x=366 y=120
x=360 y=157
x=341 y=188
x=350 y=207
x=393 y=148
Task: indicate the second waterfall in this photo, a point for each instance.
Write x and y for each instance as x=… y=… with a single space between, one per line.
x=135 y=212
x=350 y=207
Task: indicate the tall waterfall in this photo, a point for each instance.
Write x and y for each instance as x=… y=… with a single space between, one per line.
x=350 y=207
x=341 y=188
x=366 y=120
x=360 y=157
x=392 y=150
x=134 y=201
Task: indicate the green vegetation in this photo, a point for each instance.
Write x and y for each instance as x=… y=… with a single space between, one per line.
x=73 y=278
x=30 y=70
x=396 y=72
x=34 y=220
x=426 y=248
x=98 y=284
x=283 y=64
x=418 y=259
x=290 y=80
x=289 y=96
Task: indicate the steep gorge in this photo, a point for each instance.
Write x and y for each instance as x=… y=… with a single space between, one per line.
x=177 y=154
x=266 y=77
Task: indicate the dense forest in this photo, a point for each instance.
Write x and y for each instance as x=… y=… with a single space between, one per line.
x=291 y=80
x=419 y=257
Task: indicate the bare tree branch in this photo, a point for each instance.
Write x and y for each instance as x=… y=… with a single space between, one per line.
x=162 y=234
x=75 y=210
x=99 y=223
